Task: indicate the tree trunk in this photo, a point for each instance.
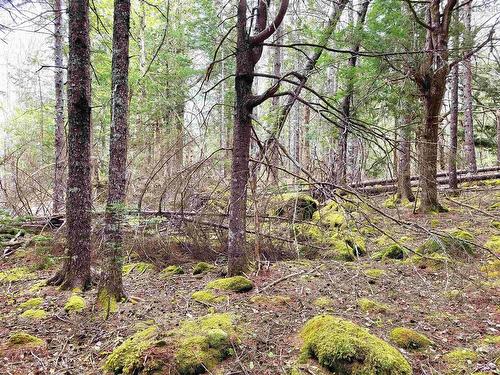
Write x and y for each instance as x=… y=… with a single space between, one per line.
x=58 y=198
x=111 y=285
x=248 y=53
x=469 y=148
x=452 y=164
x=404 y=162
x=75 y=272
x=498 y=135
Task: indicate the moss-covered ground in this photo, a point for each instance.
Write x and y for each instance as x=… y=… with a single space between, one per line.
x=455 y=305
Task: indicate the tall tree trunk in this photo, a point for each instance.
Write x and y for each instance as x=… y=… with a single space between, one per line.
x=75 y=272
x=452 y=157
x=469 y=148
x=498 y=135
x=404 y=161
x=342 y=148
x=249 y=51
x=111 y=285
x=58 y=198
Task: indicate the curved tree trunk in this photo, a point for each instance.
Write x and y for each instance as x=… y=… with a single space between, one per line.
x=75 y=272
x=111 y=285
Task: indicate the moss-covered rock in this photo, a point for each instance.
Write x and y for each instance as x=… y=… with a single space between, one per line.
x=139 y=267
x=330 y=216
x=127 y=358
x=457 y=243
x=202 y=343
x=409 y=339
x=207 y=296
x=236 y=284
x=343 y=347
x=172 y=270
x=32 y=303
x=34 y=314
x=75 y=303
x=263 y=300
x=392 y=251
x=15 y=274
x=493 y=244
x=460 y=359
x=202 y=267
x=295 y=205
x=25 y=340
x=368 y=305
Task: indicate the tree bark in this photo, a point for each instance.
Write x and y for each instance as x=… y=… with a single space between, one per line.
x=452 y=163
x=111 y=284
x=469 y=148
x=404 y=162
x=248 y=53
x=58 y=198
x=498 y=135
x=75 y=272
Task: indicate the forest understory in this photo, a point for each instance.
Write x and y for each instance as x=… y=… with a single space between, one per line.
x=452 y=299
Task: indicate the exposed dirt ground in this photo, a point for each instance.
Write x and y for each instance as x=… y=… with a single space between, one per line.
x=455 y=306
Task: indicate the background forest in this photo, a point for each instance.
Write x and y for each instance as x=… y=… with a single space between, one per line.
x=250 y=187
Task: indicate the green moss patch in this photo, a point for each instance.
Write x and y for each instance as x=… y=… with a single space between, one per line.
x=127 y=358
x=460 y=359
x=202 y=343
x=323 y=302
x=75 y=303
x=343 y=347
x=236 y=284
x=34 y=314
x=172 y=270
x=368 y=305
x=207 y=296
x=295 y=205
x=392 y=251
x=25 y=340
x=456 y=243
x=15 y=274
x=139 y=267
x=493 y=244
x=270 y=300
x=374 y=273
x=409 y=339
x=202 y=267
x=32 y=303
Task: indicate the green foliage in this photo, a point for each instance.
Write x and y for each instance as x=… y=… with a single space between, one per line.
x=456 y=243
x=172 y=270
x=127 y=357
x=367 y=305
x=236 y=284
x=343 y=347
x=25 y=340
x=75 y=303
x=409 y=339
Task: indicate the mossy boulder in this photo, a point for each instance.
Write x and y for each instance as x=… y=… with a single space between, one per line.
x=202 y=267
x=460 y=360
x=367 y=305
x=392 y=251
x=235 y=284
x=75 y=303
x=330 y=216
x=457 y=243
x=127 y=358
x=172 y=270
x=343 y=347
x=32 y=303
x=298 y=206
x=138 y=267
x=34 y=314
x=409 y=339
x=207 y=296
x=24 y=340
x=200 y=344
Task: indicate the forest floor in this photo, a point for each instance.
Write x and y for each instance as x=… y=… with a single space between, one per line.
x=456 y=305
